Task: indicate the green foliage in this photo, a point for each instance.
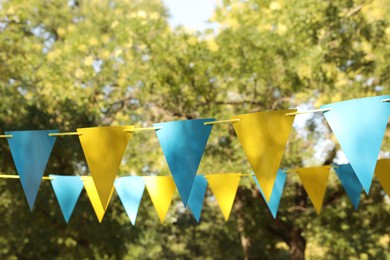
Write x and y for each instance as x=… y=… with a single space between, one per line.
x=69 y=64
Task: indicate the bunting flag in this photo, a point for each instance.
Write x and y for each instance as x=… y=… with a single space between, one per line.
x=161 y=190
x=130 y=190
x=183 y=144
x=31 y=151
x=67 y=190
x=350 y=182
x=93 y=195
x=382 y=172
x=195 y=201
x=103 y=149
x=277 y=191
x=263 y=136
x=359 y=125
x=224 y=188
x=314 y=180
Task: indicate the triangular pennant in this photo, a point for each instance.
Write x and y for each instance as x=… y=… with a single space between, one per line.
x=67 y=190
x=183 y=144
x=130 y=190
x=161 y=190
x=263 y=136
x=314 y=180
x=103 y=149
x=224 y=188
x=277 y=191
x=31 y=151
x=359 y=125
x=195 y=201
x=98 y=206
x=382 y=172
x=350 y=182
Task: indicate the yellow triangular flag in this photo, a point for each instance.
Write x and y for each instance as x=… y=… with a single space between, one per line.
x=224 y=188
x=263 y=136
x=161 y=190
x=103 y=149
x=382 y=172
x=314 y=180
x=93 y=196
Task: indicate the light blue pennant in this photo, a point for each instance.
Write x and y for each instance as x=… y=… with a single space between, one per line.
x=130 y=190
x=31 y=151
x=276 y=194
x=195 y=201
x=67 y=190
x=350 y=182
x=183 y=144
x=359 y=125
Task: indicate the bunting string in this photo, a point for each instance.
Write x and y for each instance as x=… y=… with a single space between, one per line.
x=65 y=134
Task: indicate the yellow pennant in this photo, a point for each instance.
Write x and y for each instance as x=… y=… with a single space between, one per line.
x=93 y=196
x=263 y=136
x=161 y=190
x=314 y=181
x=103 y=149
x=224 y=188
x=382 y=172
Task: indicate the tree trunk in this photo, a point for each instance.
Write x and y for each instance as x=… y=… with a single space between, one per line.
x=245 y=240
x=297 y=244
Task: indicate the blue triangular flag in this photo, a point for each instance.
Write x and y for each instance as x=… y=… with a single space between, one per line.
x=31 y=151
x=359 y=125
x=195 y=201
x=276 y=194
x=183 y=144
x=350 y=182
x=130 y=190
x=67 y=190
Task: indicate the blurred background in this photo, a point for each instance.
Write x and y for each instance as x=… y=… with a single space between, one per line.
x=69 y=64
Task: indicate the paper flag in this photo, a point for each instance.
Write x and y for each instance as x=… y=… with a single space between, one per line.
x=224 y=188
x=103 y=149
x=161 y=190
x=263 y=136
x=183 y=144
x=314 y=181
x=98 y=207
x=359 y=125
x=350 y=182
x=277 y=191
x=31 y=151
x=195 y=201
x=130 y=190
x=67 y=190
x=382 y=172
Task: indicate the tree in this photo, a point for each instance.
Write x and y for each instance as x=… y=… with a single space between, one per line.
x=85 y=63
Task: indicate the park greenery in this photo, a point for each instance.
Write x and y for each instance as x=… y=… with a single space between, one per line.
x=81 y=63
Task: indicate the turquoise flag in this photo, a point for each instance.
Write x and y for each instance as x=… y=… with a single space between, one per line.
x=350 y=182
x=130 y=190
x=183 y=144
x=195 y=201
x=67 y=190
x=276 y=194
x=31 y=151
x=359 y=125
